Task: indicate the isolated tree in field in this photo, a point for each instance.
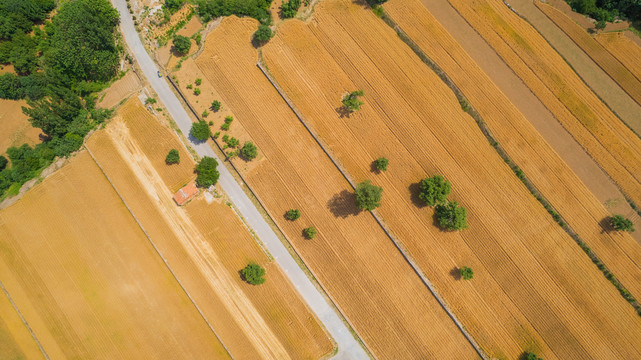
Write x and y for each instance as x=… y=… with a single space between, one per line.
x=381 y=163
x=249 y=151
x=198 y=81
x=173 y=157
x=351 y=102
x=619 y=223
x=215 y=105
x=292 y=214
x=310 y=232
x=253 y=274
x=200 y=130
x=531 y=356
x=207 y=173
x=182 y=44
x=466 y=273
x=451 y=216
x=263 y=34
x=368 y=196
x=434 y=190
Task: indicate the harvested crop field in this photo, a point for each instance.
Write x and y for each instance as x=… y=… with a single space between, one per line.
x=524 y=145
x=528 y=292
x=86 y=278
x=15 y=340
x=613 y=145
x=624 y=48
x=119 y=90
x=606 y=61
x=351 y=257
x=205 y=245
x=15 y=128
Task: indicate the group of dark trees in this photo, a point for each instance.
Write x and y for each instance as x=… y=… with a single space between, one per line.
x=289 y=9
x=257 y=9
x=58 y=69
x=434 y=191
x=182 y=44
x=608 y=10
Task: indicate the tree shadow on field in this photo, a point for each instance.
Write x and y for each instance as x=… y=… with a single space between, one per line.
x=343 y=204
x=343 y=112
x=456 y=273
x=415 y=189
x=606 y=225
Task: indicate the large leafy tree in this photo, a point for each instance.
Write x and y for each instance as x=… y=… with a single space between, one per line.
x=619 y=223
x=451 y=216
x=368 y=196
x=253 y=274
x=434 y=190
x=207 y=173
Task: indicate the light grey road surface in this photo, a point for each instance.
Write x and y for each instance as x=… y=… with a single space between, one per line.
x=348 y=347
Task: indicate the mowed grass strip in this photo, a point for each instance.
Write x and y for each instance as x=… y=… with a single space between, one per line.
x=525 y=265
x=86 y=278
x=370 y=282
x=610 y=142
x=556 y=181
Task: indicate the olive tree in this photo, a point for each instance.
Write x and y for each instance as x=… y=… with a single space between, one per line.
x=368 y=196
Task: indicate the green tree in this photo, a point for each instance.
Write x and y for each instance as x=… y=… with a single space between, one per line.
x=232 y=142
x=200 y=130
x=466 y=273
x=198 y=81
x=173 y=157
x=434 y=190
x=207 y=173
x=368 y=196
x=351 y=101
x=290 y=8
x=263 y=34
x=197 y=91
x=253 y=274
x=173 y=5
x=381 y=163
x=532 y=356
x=310 y=232
x=4 y=161
x=451 y=216
x=182 y=44
x=215 y=105
x=619 y=223
x=249 y=151
x=291 y=214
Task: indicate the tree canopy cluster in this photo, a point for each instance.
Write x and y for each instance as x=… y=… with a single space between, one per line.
x=368 y=196
x=434 y=190
x=58 y=70
x=608 y=10
x=200 y=130
x=173 y=157
x=451 y=216
x=171 y=6
x=207 y=172
x=253 y=274
x=619 y=223
x=257 y=9
x=182 y=44
x=289 y=9
x=466 y=273
x=351 y=101
x=381 y=164
x=249 y=151
x=292 y=214
x=263 y=34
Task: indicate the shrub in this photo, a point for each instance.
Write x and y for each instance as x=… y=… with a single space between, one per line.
x=451 y=216
x=310 y=232
x=215 y=105
x=198 y=81
x=190 y=86
x=381 y=163
x=200 y=130
x=253 y=274
x=233 y=142
x=224 y=127
x=225 y=138
x=173 y=157
x=263 y=34
x=150 y=100
x=3 y=162
x=182 y=44
x=197 y=91
x=292 y=214
x=217 y=134
x=368 y=196
x=619 y=223
x=211 y=123
x=229 y=119
x=248 y=151
x=466 y=273
x=290 y=8
x=351 y=102
x=205 y=114
x=434 y=190
x=207 y=173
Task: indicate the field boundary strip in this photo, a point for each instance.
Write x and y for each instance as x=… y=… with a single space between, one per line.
x=158 y=251
x=558 y=218
x=291 y=249
x=376 y=217
x=24 y=321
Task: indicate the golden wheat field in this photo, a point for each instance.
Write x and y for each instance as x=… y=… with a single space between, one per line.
x=86 y=278
x=624 y=49
x=543 y=166
x=205 y=244
x=15 y=129
x=351 y=257
x=609 y=63
x=528 y=279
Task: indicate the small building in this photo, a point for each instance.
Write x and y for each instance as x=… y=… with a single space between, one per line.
x=186 y=193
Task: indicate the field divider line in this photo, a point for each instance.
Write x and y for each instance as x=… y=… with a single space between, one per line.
x=401 y=248
x=158 y=251
x=485 y=130
x=24 y=321
x=291 y=249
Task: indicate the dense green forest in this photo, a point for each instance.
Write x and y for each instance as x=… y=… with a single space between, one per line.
x=59 y=68
x=608 y=10
x=258 y=9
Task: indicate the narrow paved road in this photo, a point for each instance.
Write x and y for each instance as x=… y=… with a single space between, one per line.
x=348 y=347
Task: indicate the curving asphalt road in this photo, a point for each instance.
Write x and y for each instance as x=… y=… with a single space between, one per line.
x=348 y=347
